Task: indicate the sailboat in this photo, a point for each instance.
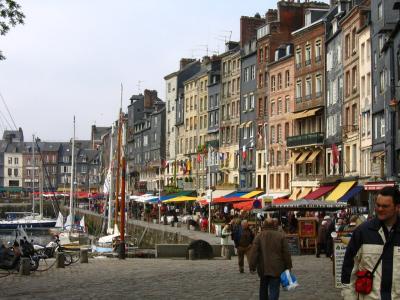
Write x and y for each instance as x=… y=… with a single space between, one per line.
x=31 y=219
x=71 y=233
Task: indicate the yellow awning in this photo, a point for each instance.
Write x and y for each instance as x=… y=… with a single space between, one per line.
x=340 y=191
x=180 y=199
x=295 y=193
x=293 y=158
x=304 y=193
x=252 y=194
x=298 y=115
x=313 y=156
x=311 y=112
x=303 y=157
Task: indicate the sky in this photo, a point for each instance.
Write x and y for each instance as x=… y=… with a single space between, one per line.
x=71 y=56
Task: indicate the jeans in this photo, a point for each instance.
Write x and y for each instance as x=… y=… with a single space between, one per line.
x=269 y=288
x=242 y=251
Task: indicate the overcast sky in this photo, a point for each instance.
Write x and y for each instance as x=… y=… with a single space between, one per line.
x=71 y=56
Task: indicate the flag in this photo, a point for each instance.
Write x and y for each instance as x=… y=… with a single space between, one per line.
x=335 y=154
x=244 y=154
x=164 y=163
x=198 y=157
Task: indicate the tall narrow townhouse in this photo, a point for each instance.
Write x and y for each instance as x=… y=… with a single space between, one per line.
x=49 y=152
x=334 y=93
x=280 y=23
x=281 y=105
x=229 y=113
x=248 y=94
x=351 y=24
x=365 y=79
x=13 y=167
x=196 y=125
x=307 y=140
x=32 y=175
x=174 y=114
x=212 y=143
x=384 y=110
x=177 y=170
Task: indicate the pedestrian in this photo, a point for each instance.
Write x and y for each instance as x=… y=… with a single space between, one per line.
x=375 y=244
x=244 y=239
x=270 y=256
x=321 y=238
x=329 y=240
x=225 y=234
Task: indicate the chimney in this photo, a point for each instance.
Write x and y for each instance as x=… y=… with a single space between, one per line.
x=184 y=62
x=248 y=28
x=231 y=45
x=149 y=98
x=271 y=15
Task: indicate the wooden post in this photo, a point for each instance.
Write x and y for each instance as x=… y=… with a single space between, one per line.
x=60 y=260
x=192 y=255
x=122 y=222
x=25 y=266
x=84 y=256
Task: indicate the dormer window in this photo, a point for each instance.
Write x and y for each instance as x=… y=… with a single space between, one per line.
x=307 y=20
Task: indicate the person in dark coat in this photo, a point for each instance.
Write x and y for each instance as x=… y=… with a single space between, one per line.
x=270 y=256
x=321 y=238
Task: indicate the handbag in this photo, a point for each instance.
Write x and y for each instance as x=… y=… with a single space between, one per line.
x=364 y=281
x=288 y=281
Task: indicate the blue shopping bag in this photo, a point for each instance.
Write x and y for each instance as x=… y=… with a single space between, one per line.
x=288 y=281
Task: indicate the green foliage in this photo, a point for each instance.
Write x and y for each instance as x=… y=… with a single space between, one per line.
x=10 y=15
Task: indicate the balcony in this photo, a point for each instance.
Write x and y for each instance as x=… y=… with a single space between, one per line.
x=305 y=139
x=307 y=62
x=298 y=99
x=214 y=144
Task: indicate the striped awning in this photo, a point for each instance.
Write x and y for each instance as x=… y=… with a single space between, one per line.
x=181 y=199
x=352 y=193
x=313 y=156
x=303 y=157
x=295 y=193
x=293 y=158
x=252 y=194
x=304 y=193
x=340 y=190
x=318 y=193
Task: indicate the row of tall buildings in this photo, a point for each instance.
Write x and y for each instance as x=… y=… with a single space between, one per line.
x=307 y=97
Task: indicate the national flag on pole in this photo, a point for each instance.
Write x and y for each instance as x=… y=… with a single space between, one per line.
x=335 y=154
x=164 y=163
x=198 y=157
x=244 y=154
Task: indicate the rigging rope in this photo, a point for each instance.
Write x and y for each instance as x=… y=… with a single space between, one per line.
x=5 y=104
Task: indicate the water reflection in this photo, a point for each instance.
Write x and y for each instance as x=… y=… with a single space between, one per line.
x=39 y=236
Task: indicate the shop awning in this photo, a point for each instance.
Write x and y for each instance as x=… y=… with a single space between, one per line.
x=318 y=193
x=293 y=158
x=230 y=199
x=281 y=200
x=311 y=112
x=303 y=157
x=313 y=156
x=252 y=194
x=222 y=193
x=247 y=205
x=181 y=199
x=350 y=194
x=249 y=123
x=243 y=125
x=235 y=194
x=298 y=115
x=376 y=186
x=295 y=193
x=340 y=190
x=271 y=196
x=304 y=193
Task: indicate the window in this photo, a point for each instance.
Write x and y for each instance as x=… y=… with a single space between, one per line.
x=252 y=101
x=353 y=158
x=347 y=45
x=298 y=58
x=251 y=131
x=9 y=172
x=16 y=160
x=246 y=74
x=354 y=79
x=245 y=103
x=298 y=89
x=382 y=126
x=15 y=172
x=10 y=160
x=318 y=51
x=287 y=79
x=308 y=55
x=279 y=129
x=287 y=104
x=278 y=158
x=253 y=72
x=271 y=181
x=380 y=11
x=145 y=140
x=348 y=83
x=272 y=158
x=279 y=81
x=362 y=53
x=273 y=108
x=273 y=84
x=286 y=130
x=353 y=40
x=382 y=81
x=279 y=106
x=308 y=87
x=318 y=85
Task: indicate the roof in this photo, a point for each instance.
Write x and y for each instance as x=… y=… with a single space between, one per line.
x=203 y=70
x=49 y=146
x=98 y=132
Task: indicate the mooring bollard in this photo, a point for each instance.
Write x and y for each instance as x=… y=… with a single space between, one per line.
x=60 y=260
x=84 y=256
x=25 y=266
x=227 y=253
x=192 y=255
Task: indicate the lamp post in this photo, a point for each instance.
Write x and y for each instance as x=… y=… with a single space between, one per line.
x=393 y=110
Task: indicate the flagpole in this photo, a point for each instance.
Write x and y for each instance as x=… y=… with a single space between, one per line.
x=266 y=162
x=159 y=191
x=209 y=189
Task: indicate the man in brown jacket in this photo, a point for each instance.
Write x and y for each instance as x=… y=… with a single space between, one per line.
x=270 y=256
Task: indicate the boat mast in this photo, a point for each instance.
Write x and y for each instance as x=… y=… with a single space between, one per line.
x=71 y=192
x=118 y=161
x=110 y=191
x=33 y=174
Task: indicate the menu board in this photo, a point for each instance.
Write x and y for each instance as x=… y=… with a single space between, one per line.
x=339 y=250
x=307 y=227
x=294 y=244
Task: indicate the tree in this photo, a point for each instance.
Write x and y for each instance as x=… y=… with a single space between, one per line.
x=10 y=16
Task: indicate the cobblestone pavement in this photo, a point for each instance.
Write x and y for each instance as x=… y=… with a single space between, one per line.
x=107 y=278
